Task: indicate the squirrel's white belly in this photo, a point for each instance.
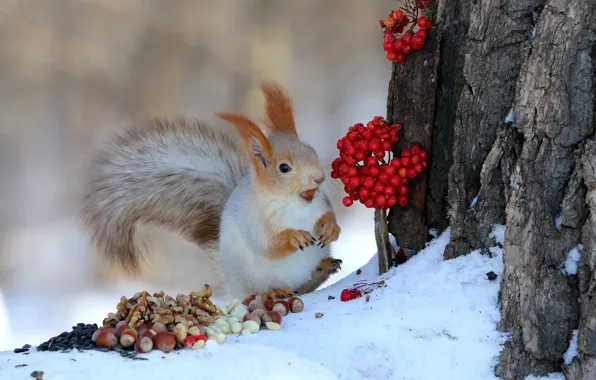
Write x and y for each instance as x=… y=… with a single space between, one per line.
x=250 y=272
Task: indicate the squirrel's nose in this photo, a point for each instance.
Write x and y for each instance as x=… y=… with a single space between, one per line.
x=319 y=180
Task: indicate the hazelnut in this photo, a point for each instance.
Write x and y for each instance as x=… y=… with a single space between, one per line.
x=274 y=316
x=268 y=304
x=128 y=337
x=282 y=307
x=252 y=317
x=144 y=343
x=248 y=299
x=165 y=342
x=106 y=339
x=99 y=331
x=296 y=305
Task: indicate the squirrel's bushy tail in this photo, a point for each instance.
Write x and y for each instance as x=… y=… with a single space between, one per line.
x=174 y=173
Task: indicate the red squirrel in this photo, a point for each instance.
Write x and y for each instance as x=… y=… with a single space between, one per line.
x=256 y=197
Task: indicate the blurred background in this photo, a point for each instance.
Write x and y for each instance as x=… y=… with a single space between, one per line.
x=72 y=71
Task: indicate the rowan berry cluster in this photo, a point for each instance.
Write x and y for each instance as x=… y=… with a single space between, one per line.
x=364 y=171
x=398 y=44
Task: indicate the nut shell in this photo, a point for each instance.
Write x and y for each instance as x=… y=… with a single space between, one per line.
x=252 y=317
x=144 y=344
x=165 y=342
x=106 y=339
x=296 y=305
x=282 y=307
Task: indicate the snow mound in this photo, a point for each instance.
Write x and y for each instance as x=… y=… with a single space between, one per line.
x=434 y=319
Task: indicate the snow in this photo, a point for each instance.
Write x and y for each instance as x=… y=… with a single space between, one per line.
x=434 y=319
x=498 y=233
x=510 y=118
x=559 y=222
x=569 y=266
x=573 y=349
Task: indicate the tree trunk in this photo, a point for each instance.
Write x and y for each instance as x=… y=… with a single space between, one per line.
x=497 y=35
x=546 y=214
x=414 y=82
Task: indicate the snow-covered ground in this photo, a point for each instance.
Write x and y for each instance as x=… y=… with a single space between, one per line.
x=434 y=320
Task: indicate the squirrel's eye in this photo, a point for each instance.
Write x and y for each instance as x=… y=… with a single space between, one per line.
x=284 y=168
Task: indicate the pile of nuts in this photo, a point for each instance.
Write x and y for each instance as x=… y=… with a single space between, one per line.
x=146 y=322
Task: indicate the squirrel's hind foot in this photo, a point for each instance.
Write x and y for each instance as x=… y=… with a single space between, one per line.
x=278 y=294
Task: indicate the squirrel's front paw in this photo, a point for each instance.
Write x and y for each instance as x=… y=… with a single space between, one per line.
x=327 y=229
x=302 y=239
x=329 y=266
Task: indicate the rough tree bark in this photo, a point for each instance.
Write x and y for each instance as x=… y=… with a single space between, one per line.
x=414 y=83
x=492 y=54
x=546 y=213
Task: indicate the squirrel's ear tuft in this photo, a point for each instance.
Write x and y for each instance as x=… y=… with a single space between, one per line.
x=253 y=139
x=278 y=108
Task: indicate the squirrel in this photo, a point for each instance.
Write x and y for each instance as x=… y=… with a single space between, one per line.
x=256 y=198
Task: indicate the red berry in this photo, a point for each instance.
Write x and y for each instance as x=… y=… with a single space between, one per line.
x=402 y=172
x=356 y=293
x=354 y=181
x=344 y=169
x=415 y=149
x=374 y=145
x=399 y=58
x=388 y=36
x=388 y=190
x=388 y=46
x=380 y=154
x=189 y=341
x=391 y=201
x=424 y=164
x=391 y=55
x=369 y=203
x=405 y=181
x=407 y=38
x=347 y=201
x=421 y=21
x=352 y=136
x=367 y=135
x=422 y=33
x=394 y=181
x=398 y=45
x=395 y=162
x=339 y=143
x=381 y=200
x=423 y=155
x=428 y=24
x=374 y=171
x=354 y=195
x=379 y=187
x=334 y=174
x=371 y=162
x=202 y=337
x=368 y=182
x=402 y=190
x=397 y=15
x=363 y=192
x=352 y=171
x=412 y=173
x=417 y=44
x=406 y=153
x=386 y=145
x=345 y=180
x=390 y=170
x=406 y=161
x=407 y=49
x=419 y=168
x=402 y=201
x=359 y=156
x=346 y=295
x=384 y=177
x=416 y=159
